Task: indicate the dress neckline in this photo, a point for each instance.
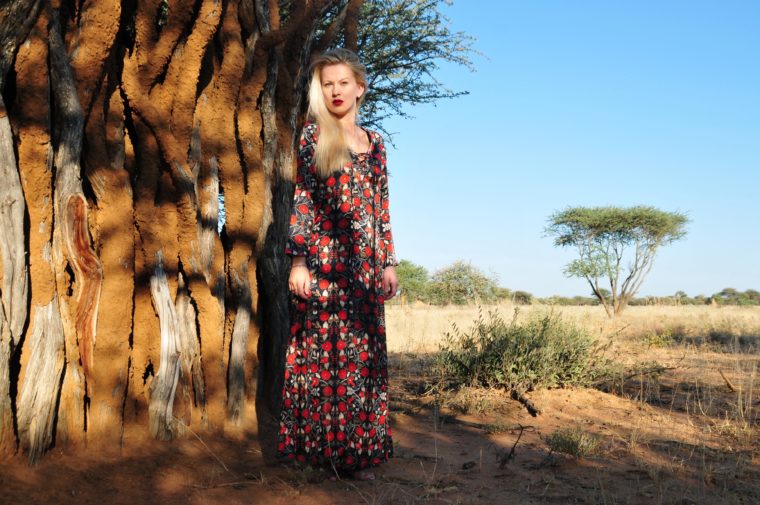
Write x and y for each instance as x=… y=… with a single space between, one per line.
x=368 y=152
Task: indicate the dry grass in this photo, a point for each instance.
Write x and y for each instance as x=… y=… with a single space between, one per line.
x=683 y=417
x=574 y=441
x=419 y=328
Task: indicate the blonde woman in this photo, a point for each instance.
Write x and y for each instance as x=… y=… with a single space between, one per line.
x=335 y=403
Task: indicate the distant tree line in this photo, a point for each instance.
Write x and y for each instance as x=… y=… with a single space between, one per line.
x=458 y=283
x=461 y=283
x=727 y=296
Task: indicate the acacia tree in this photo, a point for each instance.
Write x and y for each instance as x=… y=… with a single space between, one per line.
x=124 y=311
x=606 y=237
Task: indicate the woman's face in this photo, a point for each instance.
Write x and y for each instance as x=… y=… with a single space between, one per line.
x=340 y=89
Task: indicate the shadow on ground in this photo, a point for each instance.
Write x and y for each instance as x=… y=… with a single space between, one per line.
x=442 y=456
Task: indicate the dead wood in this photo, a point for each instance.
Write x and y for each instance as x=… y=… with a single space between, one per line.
x=236 y=377
x=71 y=206
x=35 y=157
x=15 y=280
x=192 y=381
x=7 y=435
x=164 y=386
x=38 y=397
x=525 y=401
x=16 y=19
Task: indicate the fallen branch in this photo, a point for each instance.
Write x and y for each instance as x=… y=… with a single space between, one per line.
x=504 y=459
x=649 y=371
x=520 y=397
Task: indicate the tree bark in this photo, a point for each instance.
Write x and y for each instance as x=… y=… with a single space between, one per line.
x=164 y=386
x=13 y=297
x=38 y=398
x=7 y=435
x=16 y=19
x=35 y=156
x=123 y=129
x=72 y=249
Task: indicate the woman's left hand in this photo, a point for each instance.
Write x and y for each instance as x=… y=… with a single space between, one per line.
x=390 y=282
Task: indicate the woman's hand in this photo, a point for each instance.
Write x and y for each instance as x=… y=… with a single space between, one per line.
x=300 y=278
x=390 y=282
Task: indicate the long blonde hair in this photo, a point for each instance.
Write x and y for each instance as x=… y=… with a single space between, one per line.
x=332 y=148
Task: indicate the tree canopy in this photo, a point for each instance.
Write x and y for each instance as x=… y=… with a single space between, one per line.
x=606 y=237
x=462 y=282
x=413 y=280
x=402 y=42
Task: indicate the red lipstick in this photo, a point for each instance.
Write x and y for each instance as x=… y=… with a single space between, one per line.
x=337 y=102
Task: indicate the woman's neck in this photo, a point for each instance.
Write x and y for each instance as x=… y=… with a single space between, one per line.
x=348 y=123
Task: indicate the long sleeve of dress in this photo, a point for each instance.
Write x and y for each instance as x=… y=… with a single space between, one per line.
x=386 y=235
x=302 y=216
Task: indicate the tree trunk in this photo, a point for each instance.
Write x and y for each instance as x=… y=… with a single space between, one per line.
x=129 y=314
x=14 y=274
x=35 y=155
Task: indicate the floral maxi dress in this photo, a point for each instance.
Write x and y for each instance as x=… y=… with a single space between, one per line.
x=335 y=394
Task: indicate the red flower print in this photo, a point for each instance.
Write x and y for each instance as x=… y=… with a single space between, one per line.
x=334 y=406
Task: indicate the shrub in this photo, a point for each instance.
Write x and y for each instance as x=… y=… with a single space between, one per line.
x=573 y=441
x=460 y=283
x=413 y=280
x=543 y=352
x=522 y=298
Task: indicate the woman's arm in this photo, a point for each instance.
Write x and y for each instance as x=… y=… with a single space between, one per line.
x=302 y=215
x=387 y=253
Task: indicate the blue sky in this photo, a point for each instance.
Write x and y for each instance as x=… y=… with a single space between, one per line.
x=588 y=103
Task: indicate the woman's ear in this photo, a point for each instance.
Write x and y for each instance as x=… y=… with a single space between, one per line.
x=362 y=89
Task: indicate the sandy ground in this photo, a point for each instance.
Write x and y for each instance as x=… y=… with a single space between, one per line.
x=678 y=437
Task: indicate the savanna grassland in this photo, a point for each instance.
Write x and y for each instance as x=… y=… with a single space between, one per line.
x=672 y=417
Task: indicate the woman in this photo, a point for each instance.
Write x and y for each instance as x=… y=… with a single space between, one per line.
x=335 y=403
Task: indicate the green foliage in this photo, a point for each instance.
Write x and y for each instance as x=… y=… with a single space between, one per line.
x=574 y=301
x=543 y=352
x=522 y=298
x=501 y=293
x=573 y=441
x=413 y=280
x=659 y=339
x=606 y=236
x=460 y=283
x=727 y=296
x=731 y=296
x=401 y=42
